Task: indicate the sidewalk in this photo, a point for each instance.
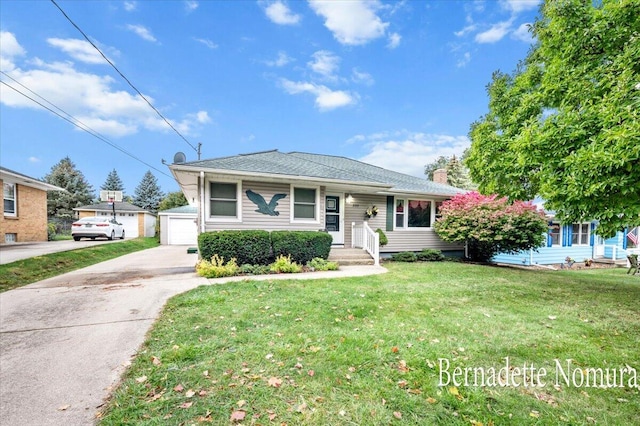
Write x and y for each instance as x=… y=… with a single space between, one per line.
x=65 y=341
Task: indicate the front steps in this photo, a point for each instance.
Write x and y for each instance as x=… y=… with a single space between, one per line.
x=621 y=263
x=350 y=256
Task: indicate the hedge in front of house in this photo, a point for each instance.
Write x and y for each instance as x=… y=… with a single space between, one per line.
x=303 y=246
x=247 y=246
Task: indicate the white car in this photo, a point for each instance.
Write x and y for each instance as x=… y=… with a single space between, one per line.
x=97 y=227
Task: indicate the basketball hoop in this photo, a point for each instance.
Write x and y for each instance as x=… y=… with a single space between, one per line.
x=110 y=201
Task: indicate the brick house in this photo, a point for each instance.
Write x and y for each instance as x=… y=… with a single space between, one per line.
x=24 y=207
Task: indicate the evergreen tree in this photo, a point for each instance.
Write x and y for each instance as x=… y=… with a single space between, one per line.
x=440 y=163
x=113 y=182
x=173 y=199
x=458 y=174
x=78 y=191
x=148 y=194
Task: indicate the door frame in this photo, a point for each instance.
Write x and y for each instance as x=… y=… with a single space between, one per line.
x=338 y=237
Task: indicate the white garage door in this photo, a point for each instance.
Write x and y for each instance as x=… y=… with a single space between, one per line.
x=182 y=231
x=130 y=224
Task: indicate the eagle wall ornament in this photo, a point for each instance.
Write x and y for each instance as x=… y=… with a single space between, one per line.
x=263 y=207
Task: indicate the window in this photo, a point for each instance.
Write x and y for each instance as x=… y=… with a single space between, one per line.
x=413 y=213
x=555 y=234
x=223 y=200
x=580 y=234
x=438 y=207
x=304 y=203
x=9 y=199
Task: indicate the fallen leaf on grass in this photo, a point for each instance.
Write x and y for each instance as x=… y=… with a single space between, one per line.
x=395 y=349
x=311 y=373
x=238 y=416
x=241 y=403
x=178 y=388
x=155 y=360
x=431 y=400
x=397 y=415
x=190 y=393
x=186 y=404
x=141 y=379
x=275 y=382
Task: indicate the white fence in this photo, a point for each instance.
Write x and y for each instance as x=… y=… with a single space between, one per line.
x=362 y=236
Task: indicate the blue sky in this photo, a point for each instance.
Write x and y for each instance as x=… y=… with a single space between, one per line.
x=394 y=84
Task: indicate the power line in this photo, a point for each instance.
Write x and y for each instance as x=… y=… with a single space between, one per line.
x=71 y=119
x=197 y=150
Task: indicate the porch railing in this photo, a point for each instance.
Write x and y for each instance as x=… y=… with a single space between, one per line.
x=607 y=251
x=362 y=236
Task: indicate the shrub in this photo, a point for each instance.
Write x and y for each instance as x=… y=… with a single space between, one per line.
x=490 y=225
x=302 y=246
x=253 y=247
x=51 y=231
x=216 y=268
x=284 y=265
x=383 y=238
x=248 y=269
x=405 y=256
x=319 y=264
x=430 y=255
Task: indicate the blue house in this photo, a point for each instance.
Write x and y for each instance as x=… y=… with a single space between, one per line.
x=576 y=241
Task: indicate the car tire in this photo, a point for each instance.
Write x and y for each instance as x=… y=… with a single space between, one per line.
x=76 y=238
x=113 y=235
x=122 y=236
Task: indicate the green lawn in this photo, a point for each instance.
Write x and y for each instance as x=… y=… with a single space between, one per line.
x=27 y=271
x=366 y=351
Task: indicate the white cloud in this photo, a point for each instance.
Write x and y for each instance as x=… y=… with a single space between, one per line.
x=130 y=6
x=282 y=60
x=9 y=46
x=326 y=99
x=34 y=160
x=190 y=5
x=464 y=60
x=394 y=40
x=325 y=63
x=88 y=97
x=517 y=6
x=80 y=50
x=351 y=22
x=142 y=32
x=210 y=44
x=495 y=33
x=466 y=30
x=279 y=13
x=362 y=77
x=408 y=152
x=522 y=33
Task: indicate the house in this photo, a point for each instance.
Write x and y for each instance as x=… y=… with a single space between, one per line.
x=137 y=222
x=576 y=241
x=178 y=226
x=24 y=207
x=273 y=190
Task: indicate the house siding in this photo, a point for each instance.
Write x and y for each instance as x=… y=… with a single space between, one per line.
x=355 y=212
x=546 y=255
x=255 y=220
x=30 y=222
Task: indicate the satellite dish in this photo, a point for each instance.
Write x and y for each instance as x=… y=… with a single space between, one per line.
x=179 y=157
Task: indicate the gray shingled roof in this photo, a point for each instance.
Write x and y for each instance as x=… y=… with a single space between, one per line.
x=182 y=210
x=120 y=207
x=323 y=167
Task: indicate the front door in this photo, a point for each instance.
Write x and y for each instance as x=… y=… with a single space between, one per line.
x=334 y=218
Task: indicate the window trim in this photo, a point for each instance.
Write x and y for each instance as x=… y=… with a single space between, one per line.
x=405 y=225
x=292 y=203
x=560 y=234
x=580 y=234
x=15 y=199
x=223 y=219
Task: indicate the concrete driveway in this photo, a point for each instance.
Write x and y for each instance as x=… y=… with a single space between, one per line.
x=65 y=341
x=18 y=251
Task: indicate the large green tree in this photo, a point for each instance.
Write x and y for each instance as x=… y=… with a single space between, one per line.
x=147 y=194
x=60 y=204
x=113 y=182
x=565 y=125
x=172 y=200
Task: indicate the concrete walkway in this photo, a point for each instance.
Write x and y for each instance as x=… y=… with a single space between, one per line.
x=65 y=341
x=17 y=251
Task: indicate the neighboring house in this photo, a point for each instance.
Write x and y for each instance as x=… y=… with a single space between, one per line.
x=576 y=241
x=137 y=221
x=24 y=207
x=273 y=190
x=178 y=226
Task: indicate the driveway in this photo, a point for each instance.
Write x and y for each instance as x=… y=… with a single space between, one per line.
x=18 y=251
x=65 y=341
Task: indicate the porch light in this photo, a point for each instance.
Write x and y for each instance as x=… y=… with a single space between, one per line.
x=349 y=199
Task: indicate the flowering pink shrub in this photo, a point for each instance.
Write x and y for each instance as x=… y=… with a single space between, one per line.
x=491 y=225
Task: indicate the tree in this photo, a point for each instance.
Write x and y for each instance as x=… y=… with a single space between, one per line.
x=457 y=173
x=148 y=194
x=113 y=182
x=566 y=124
x=78 y=191
x=490 y=225
x=440 y=163
x=172 y=200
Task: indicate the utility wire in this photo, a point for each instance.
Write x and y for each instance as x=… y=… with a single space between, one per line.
x=125 y=78
x=71 y=119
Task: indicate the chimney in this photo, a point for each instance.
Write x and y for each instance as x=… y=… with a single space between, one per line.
x=440 y=176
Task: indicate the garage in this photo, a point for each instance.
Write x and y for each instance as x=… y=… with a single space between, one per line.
x=178 y=226
x=137 y=222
